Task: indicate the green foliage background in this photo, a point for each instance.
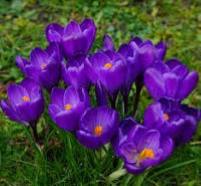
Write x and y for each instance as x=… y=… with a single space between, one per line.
x=63 y=161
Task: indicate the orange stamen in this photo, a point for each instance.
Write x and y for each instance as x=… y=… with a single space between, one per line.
x=166 y=116
x=98 y=130
x=146 y=153
x=43 y=65
x=25 y=98
x=108 y=65
x=68 y=106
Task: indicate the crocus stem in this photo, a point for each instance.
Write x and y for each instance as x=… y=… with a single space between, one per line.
x=113 y=101
x=125 y=99
x=35 y=134
x=137 y=98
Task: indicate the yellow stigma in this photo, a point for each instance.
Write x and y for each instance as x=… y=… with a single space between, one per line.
x=146 y=153
x=25 y=98
x=108 y=65
x=68 y=106
x=166 y=116
x=43 y=65
x=98 y=130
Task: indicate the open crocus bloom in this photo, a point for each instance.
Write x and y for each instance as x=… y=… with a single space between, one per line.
x=177 y=121
x=108 y=68
x=75 y=39
x=42 y=63
x=144 y=148
x=97 y=127
x=170 y=80
x=67 y=107
x=26 y=102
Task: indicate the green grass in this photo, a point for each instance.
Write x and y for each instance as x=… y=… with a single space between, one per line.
x=63 y=161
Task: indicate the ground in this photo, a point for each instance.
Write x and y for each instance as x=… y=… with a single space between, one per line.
x=63 y=161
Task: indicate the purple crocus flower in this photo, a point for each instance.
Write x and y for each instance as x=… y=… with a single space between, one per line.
x=127 y=53
x=67 y=107
x=144 y=148
x=171 y=80
x=25 y=104
x=75 y=39
x=42 y=63
x=108 y=68
x=97 y=127
x=74 y=73
x=177 y=121
x=146 y=53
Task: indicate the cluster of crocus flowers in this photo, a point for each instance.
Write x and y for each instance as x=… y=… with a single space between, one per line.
x=167 y=122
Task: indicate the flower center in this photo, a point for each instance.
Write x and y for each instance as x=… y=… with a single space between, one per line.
x=43 y=65
x=98 y=130
x=166 y=116
x=108 y=65
x=25 y=98
x=68 y=106
x=146 y=153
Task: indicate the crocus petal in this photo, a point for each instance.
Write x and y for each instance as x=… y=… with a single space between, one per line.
x=154 y=83
x=52 y=68
x=74 y=45
x=134 y=169
x=53 y=110
x=8 y=110
x=125 y=127
x=72 y=28
x=161 y=46
x=67 y=120
x=171 y=84
x=30 y=85
x=16 y=94
x=150 y=140
x=181 y=71
x=188 y=84
x=71 y=96
x=112 y=79
x=89 y=140
x=137 y=40
x=21 y=63
x=172 y=63
x=54 y=32
x=33 y=72
x=56 y=97
x=38 y=56
x=89 y=30
x=108 y=43
x=167 y=145
x=125 y=50
x=153 y=117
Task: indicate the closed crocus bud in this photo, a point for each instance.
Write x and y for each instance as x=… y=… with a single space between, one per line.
x=67 y=107
x=144 y=148
x=73 y=73
x=78 y=39
x=42 y=63
x=146 y=53
x=25 y=102
x=177 y=121
x=97 y=127
x=170 y=80
x=125 y=126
